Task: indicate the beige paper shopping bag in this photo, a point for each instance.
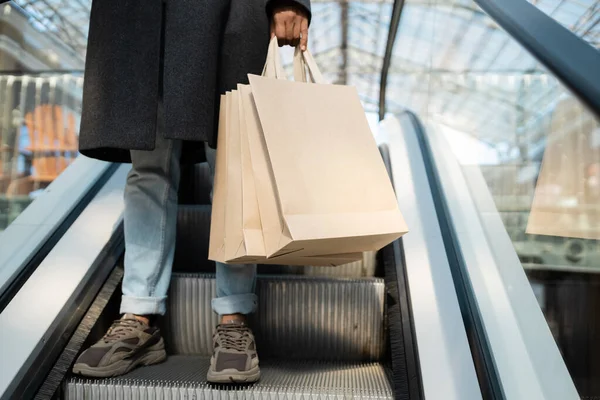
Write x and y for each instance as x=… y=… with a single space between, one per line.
x=251 y=225
x=254 y=159
x=332 y=191
x=237 y=249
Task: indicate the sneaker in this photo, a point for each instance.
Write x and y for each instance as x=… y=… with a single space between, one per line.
x=234 y=358
x=128 y=343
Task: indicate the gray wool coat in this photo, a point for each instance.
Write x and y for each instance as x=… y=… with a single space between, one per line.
x=181 y=53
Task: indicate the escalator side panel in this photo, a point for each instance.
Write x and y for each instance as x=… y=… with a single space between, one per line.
x=55 y=297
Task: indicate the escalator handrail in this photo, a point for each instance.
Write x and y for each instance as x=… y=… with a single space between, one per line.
x=387 y=58
x=570 y=58
x=28 y=239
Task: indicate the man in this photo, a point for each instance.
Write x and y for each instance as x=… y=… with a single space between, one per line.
x=154 y=73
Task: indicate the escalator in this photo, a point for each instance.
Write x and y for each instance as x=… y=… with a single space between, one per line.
x=412 y=321
x=320 y=333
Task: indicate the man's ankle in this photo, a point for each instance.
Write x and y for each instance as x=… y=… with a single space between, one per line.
x=233 y=319
x=143 y=318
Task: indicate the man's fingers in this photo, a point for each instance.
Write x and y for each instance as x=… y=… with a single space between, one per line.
x=304 y=33
x=290 y=27
x=280 y=33
x=289 y=31
x=297 y=28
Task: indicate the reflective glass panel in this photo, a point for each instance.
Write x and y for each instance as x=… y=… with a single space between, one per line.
x=39 y=110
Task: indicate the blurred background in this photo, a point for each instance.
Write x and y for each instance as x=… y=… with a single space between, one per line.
x=503 y=114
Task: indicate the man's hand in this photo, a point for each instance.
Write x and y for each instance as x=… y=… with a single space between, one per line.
x=290 y=25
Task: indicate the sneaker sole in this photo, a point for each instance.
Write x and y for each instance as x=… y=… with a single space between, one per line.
x=121 y=367
x=233 y=376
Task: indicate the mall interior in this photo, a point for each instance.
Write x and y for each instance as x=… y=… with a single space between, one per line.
x=487 y=114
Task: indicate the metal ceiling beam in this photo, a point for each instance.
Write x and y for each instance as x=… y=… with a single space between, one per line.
x=343 y=76
x=389 y=48
x=57 y=23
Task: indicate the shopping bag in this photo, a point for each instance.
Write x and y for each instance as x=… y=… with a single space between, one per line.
x=240 y=246
x=236 y=231
x=253 y=234
x=331 y=189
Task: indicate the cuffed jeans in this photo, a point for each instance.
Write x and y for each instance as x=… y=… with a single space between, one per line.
x=150 y=224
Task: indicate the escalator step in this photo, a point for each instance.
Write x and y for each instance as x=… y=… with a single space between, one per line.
x=298 y=317
x=183 y=377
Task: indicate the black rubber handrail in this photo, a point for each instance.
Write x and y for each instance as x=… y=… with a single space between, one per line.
x=387 y=58
x=571 y=59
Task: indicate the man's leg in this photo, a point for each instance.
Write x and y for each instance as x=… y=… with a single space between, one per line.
x=235 y=292
x=150 y=223
x=234 y=357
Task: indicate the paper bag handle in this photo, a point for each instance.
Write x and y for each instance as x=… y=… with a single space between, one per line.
x=304 y=60
x=273 y=67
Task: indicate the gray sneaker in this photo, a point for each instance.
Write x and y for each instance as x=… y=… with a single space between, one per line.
x=128 y=343
x=234 y=358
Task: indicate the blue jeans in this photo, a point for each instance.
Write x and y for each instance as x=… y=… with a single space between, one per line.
x=150 y=224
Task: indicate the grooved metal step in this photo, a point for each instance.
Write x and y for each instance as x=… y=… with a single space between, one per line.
x=298 y=317
x=183 y=377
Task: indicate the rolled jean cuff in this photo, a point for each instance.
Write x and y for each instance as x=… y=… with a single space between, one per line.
x=143 y=305
x=235 y=304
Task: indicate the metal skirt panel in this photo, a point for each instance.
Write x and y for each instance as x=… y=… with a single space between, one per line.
x=184 y=377
x=298 y=317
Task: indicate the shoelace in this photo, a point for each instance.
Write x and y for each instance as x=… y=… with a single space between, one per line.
x=120 y=328
x=233 y=337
